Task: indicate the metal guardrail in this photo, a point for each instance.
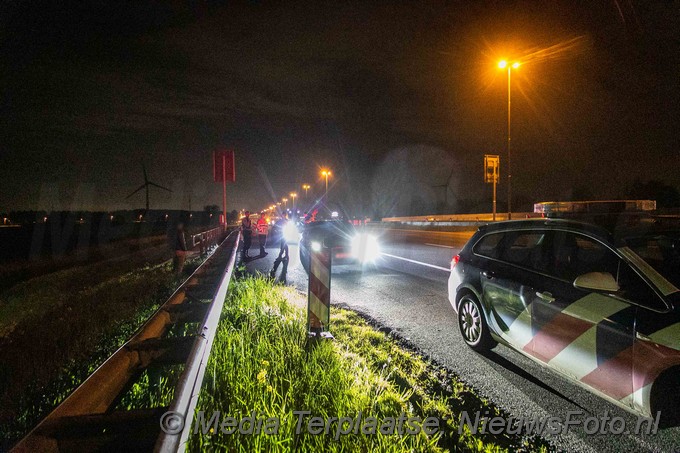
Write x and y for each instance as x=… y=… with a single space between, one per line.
x=206 y=237
x=189 y=387
x=88 y=420
x=480 y=217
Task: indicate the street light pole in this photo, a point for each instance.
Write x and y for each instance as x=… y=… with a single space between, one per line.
x=509 y=161
x=293 y=195
x=503 y=64
x=326 y=174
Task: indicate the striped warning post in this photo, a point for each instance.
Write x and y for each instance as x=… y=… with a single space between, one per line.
x=319 y=292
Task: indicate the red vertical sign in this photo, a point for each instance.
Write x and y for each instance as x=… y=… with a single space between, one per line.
x=224 y=168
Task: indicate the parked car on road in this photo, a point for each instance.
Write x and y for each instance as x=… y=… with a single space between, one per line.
x=347 y=243
x=599 y=306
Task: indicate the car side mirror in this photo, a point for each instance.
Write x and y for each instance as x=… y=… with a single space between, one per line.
x=597 y=281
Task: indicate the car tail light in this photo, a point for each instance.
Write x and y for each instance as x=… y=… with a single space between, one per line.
x=454 y=261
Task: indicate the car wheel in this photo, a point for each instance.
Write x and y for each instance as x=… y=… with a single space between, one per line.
x=472 y=324
x=664 y=400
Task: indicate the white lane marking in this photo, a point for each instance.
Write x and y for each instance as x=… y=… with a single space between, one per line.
x=446 y=269
x=439 y=245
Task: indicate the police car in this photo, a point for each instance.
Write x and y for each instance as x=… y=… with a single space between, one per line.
x=599 y=305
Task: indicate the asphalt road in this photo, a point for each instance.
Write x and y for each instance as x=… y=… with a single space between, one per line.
x=407 y=292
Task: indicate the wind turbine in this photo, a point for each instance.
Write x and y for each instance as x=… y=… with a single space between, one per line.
x=146 y=185
x=445 y=186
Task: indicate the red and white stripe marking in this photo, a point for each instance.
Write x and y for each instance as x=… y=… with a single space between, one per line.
x=319 y=299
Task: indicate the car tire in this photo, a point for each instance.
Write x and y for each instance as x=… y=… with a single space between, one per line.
x=472 y=324
x=664 y=399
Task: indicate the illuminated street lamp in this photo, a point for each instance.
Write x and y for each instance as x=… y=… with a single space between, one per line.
x=502 y=65
x=306 y=187
x=326 y=174
x=285 y=203
x=293 y=195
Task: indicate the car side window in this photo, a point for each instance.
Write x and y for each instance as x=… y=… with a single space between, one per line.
x=574 y=254
x=525 y=248
x=488 y=245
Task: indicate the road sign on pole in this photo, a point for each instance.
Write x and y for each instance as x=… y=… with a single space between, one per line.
x=319 y=292
x=492 y=169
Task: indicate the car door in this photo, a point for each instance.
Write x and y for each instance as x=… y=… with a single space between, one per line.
x=657 y=325
x=587 y=335
x=508 y=284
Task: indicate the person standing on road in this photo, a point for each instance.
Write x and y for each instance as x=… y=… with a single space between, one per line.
x=247 y=231
x=283 y=245
x=262 y=230
x=180 y=249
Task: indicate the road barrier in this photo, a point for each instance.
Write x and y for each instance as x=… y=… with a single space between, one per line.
x=319 y=291
x=88 y=419
x=455 y=218
x=206 y=239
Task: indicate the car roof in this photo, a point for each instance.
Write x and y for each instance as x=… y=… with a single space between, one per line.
x=549 y=223
x=608 y=228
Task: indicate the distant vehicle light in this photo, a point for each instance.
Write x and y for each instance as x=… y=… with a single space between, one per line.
x=365 y=248
x=334 y=214
x=316 y=246
x=290 y=232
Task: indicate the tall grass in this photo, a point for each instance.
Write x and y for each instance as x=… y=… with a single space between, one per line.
x=262 y=363
x=41 y=363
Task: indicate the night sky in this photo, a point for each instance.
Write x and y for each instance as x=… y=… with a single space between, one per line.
x=393 y=97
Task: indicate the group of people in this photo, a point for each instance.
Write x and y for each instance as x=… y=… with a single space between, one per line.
x=261 y=229
x=248 y=229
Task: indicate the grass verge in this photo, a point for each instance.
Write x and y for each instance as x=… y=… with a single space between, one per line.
x=263 y=366
x=44 y=360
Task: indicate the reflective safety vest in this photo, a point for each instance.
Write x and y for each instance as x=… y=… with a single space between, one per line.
x=262 y=226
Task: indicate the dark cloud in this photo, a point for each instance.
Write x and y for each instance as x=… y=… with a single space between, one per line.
x=91 y=91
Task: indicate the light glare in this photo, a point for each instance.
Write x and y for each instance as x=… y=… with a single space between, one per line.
x=365 y=248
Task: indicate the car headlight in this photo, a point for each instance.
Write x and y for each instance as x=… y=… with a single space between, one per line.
x=365 y=248
x=290 y=232
x=316 y=246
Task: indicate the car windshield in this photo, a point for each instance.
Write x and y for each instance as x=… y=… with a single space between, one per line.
x=661 y=252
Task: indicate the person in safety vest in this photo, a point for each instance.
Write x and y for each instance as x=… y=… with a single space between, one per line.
x=262 y=230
